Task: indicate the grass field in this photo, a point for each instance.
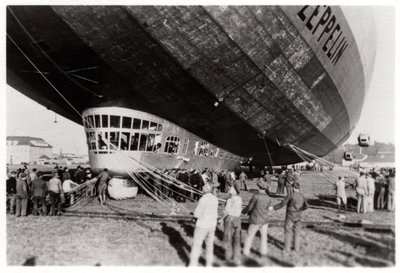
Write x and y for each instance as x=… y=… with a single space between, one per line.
x=65 y=240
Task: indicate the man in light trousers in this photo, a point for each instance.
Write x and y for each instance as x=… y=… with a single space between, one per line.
x=371 y=191
x=258 y=211
x=232 y=226
x=361 y=189
x=206 y=213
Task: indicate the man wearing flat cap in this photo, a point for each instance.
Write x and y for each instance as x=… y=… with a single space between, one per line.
x=39 y=192
x=231 y=224
x=258 y=211
x=295 y=203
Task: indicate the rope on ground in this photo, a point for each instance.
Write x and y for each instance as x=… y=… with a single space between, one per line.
x=307 y=156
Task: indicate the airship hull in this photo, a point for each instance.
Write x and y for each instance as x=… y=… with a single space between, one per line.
x=246 y=79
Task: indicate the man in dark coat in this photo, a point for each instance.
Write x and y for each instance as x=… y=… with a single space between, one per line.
x=22 y=195
x=103 y=179
x=182 y=176
x=79 y=175
x=196 y=182
x=11 y=190
x=289 y=180
x=295 y=203
x=281 y=183
x=39 y=192
x=65 y=174
x=258 y=211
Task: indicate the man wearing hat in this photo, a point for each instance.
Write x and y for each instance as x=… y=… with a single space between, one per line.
x=55 y=191
x=22 y=195
x=11 y=190
x=65 y=174
x=361 y=190
x=232 y=225
x=79 y=175
x=289 y=180
x=295 y=203
x=39 y=192
x=258 y=211
x=196 y=182
x=102 y=185
x=369 y=198
x=206 y=213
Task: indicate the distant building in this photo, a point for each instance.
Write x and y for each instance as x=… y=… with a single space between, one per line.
x=380 y=160
x=27 y=149
x=43 y=160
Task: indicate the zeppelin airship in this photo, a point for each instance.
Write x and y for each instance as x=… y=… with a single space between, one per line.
x=195 y=86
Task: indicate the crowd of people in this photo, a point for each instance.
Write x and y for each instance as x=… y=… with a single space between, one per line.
x=221 y=181
x=258 y=209
x=29 y=192
x=375 y=190
x=33 y=192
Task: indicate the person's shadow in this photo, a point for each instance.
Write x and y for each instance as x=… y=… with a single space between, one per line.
x=177 y=241
x=30 y=261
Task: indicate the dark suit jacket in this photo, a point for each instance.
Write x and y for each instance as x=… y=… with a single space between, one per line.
x=39 y=188
x=295 y=203
x=258 y=208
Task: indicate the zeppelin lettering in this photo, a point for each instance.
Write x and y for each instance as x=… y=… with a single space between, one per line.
x=321 y=22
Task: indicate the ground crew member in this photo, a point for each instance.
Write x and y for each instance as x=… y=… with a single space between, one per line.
x=197 y=183
x=381 y=202
x=289 y=180
x=206 y=213
x=341 y=193
x=232 y=226
x=228 y=180
x=268 y=179
x=361 y=189
x=391 y=191
x=258 y=210
x=103 y=178
x=39 y=192
x=22 y=195
x=11 y=190
x=65 y=174
x=370 y=192
x=295 y=203
x=242 y=179
x=56 y=193
x=281 y=183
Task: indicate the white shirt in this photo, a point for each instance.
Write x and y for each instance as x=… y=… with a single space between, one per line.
x=205 y=178
x=233 y=206
x=68 y=185
x=341 y=188
x=207 y=211
x=371 y=185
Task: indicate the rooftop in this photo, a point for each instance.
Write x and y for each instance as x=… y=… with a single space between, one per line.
x=30 y=141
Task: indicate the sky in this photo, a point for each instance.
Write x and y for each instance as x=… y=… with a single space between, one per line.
x=25 y=117
x=378 y=113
